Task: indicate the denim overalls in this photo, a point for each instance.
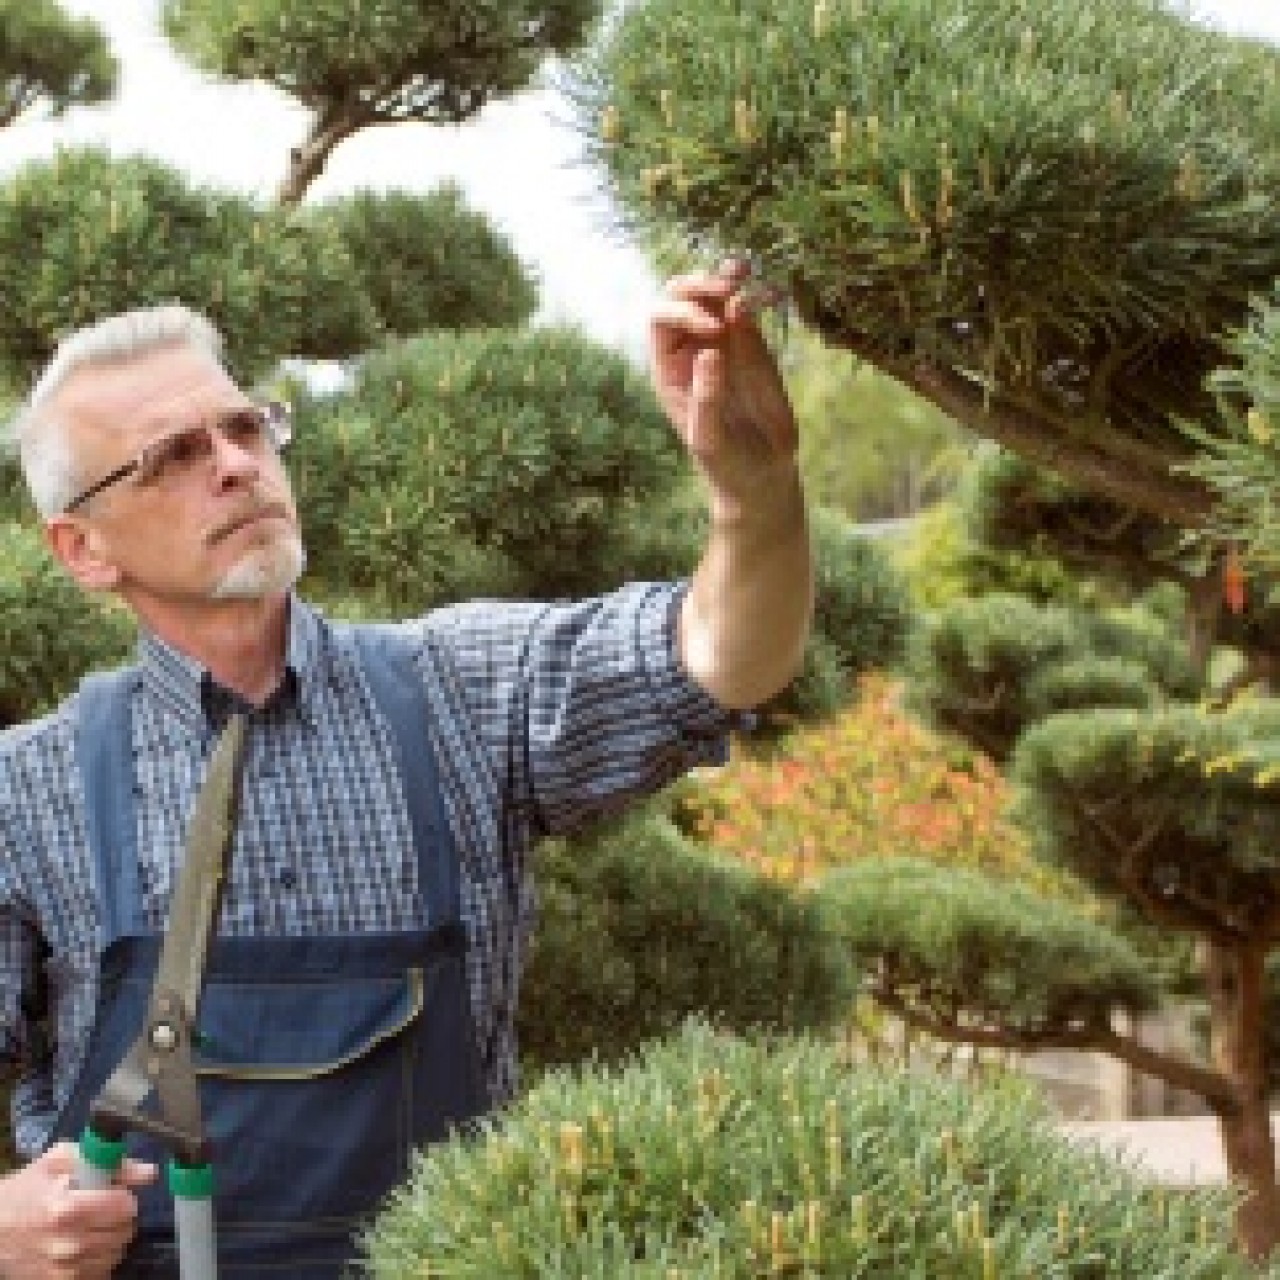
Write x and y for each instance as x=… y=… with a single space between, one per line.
x=326 y=1059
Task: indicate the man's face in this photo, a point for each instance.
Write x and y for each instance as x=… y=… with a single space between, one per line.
x=220 y=526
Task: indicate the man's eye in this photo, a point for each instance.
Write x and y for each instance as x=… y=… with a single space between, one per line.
x=243 y=428
x=183 y=448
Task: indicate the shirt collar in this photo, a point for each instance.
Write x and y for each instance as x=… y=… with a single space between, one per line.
x=183 y=687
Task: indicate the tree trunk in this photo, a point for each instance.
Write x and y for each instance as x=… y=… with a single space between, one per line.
x=307 y=162
x=1204 y=615
x=1236 y=984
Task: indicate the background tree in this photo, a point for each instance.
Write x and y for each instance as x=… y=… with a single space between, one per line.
x=82 y=235
x=50 y=60
x=1047 y=220
x=382 y=62
x=430 y=262
x=868 y=446
x=1041 y=217
x=1138 y=778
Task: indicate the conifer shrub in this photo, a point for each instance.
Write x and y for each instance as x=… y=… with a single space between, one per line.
x=862 y=621
x=430 y=261
x=51 y=633
x=709 y=1156
x=639 y=928
x=488 y=463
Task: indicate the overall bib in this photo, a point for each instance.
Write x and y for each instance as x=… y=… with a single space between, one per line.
x=325 y=1059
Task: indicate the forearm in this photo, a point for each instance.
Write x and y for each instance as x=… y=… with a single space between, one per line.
x=745 y=619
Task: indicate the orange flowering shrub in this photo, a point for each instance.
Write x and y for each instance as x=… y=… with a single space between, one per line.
x=871 y=783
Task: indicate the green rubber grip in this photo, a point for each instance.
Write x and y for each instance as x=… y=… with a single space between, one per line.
x=103 y=1153
x=190 y=1181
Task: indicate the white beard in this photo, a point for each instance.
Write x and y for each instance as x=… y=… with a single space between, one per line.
x=264 y=571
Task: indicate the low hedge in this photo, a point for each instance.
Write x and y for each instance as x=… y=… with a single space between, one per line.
x=710 y=1156
x=639 y=928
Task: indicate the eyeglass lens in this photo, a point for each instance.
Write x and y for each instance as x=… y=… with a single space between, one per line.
x=252 y=429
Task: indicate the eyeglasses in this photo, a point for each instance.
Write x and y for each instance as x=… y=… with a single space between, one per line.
x=254 y=429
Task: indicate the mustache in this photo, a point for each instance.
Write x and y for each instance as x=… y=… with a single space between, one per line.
x=244 y=516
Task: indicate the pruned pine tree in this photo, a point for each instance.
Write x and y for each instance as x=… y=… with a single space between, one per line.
x=429 y=262
x=50 y=60
x=83 y=235
x=358 y=63
x=1042 y=216
x=1048 y=218
x=1140 y=775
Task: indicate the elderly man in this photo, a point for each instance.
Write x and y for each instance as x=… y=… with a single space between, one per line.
x=362 y=990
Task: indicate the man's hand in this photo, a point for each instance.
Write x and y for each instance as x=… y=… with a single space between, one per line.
x=720 y=386
x=745 y=618
x=49 y=1231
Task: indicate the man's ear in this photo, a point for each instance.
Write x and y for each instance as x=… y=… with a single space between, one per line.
x=81 y=551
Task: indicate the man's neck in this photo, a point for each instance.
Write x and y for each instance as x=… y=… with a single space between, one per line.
x=241 y=643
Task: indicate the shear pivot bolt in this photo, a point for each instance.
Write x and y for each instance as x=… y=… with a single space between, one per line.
x=164 y=1037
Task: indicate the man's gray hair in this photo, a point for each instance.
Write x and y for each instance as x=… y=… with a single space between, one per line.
x=43 y=442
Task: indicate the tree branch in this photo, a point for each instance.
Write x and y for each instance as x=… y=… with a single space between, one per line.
x=1217 y=1090
x=307 y=162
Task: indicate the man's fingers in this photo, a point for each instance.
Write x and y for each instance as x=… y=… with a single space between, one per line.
x=706 y=403
x=109 y=1209
x=137 y=1173
x=677 y=322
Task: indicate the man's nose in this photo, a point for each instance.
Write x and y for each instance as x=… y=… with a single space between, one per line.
x=232 y=461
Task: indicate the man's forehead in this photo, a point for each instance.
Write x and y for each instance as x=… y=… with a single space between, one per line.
x=150 y=388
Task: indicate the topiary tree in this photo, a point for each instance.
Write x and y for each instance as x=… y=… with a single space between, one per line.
x=488 y=463
x=429 y=262
x=710 y=1156
x=50 y=632
x=354 y=65
x=638 y=928
x=50 y=60
x=83 y=235
x=1042 y=218
x=1047 y=219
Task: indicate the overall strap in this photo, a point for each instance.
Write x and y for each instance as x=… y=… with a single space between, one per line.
x=387 y=658
x=104 y=747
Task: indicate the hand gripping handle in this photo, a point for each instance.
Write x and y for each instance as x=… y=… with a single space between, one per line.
x=97 y=1161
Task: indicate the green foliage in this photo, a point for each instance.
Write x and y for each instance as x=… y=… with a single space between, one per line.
x=861 y=601
x=49 y=58
x=429 y=262
x=936 y=939
x=391 y=59
x=868 y=446
x=1040 y=215
x=713 y=1157
x=491 y=463
x=1014 y=508
x=638 y=928
x=862 y=621
x=83 y=235
x=944 y=563
x=1174 y=809
x=1240 y=461
x=50 y=632
x=988 y=668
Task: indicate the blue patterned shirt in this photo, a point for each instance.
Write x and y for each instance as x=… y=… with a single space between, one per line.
x=543 y=718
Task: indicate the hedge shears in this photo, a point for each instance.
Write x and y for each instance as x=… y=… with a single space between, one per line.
x=160 y=1060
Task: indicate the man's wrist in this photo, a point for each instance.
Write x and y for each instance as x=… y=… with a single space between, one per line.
x=772 y=503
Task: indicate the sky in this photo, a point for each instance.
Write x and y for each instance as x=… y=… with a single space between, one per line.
x=517 y=161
